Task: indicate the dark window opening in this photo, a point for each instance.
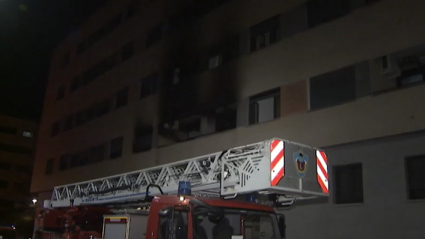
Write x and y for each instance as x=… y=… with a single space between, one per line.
x=97 y=154
x=385 y=63
x=103 y=108
x=115 y=150
x=14 y=149
x=323 y=11
x=127 y=51
x=5 y=166
x=8 y=130
x=69 y=122
x=333 y=88
x=75 y=84
x=264 y=107
x=348 y=184
x=142 y=139
x=83 y=158
x=415 y=170
x=154 y=35
x=74 y=161
x=121 y=98
x=64 y=162
x=223 y=53
x=113 y=23
x=412 y=70
x=264 y=33
x=149 y=85
x=61 y=93
x=49 y=166
x=225 y=120
x=55 y=128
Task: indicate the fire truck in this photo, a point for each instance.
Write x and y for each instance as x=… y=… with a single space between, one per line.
x=236 y=194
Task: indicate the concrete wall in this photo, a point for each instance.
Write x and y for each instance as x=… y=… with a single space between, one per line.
x=386 y=211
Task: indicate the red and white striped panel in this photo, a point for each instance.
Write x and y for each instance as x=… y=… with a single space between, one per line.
x=277 y=162
x=322 y=170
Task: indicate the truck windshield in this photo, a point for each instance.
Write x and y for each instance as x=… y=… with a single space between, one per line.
x=242 y=223
x=7 y=234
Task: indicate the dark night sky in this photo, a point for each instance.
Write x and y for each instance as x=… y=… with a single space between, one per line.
x=29 y=31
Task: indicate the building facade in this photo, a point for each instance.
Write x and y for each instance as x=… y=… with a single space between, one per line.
x=17 y=146
x=144 y=83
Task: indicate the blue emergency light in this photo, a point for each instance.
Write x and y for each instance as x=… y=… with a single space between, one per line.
x=185 y=188
x=251 y=197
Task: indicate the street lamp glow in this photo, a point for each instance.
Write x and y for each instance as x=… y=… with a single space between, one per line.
x=34 y=200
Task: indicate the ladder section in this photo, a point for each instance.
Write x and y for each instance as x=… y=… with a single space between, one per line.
x=229 y=173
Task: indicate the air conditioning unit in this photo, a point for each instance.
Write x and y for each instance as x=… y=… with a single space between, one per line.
x=389 y=67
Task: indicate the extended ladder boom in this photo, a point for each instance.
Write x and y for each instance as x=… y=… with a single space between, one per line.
x=273 y=166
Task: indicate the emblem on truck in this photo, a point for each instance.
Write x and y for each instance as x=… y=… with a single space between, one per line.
x=301 y=163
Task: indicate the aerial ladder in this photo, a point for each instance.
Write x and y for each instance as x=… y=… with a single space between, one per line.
x=279 y=169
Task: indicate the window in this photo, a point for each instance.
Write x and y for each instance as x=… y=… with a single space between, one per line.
x=69 y=122
x=121 y=98
x=115 y=150
x=5 y=166
x=264 y=33
x=15 y=149
x=264 y=107
x=23 y=169
x=21 y=186
x=75 y=83
x=415 y=170
x=27 y=134
x=66 y=58
x=348 y=183
x=97 y=154
x=4 y=184
x=333 y=88
x=8 y=130
x=55 y=128
x=323 y=11
x=148 y=85
x=103 y=108
x=127 y=51
x=83 y=158
x=61 y=93
x=49 y=166
x=142 y=139
x=64 y=162
x=154 y=35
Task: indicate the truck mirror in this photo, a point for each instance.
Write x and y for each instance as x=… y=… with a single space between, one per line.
x=282 y=225
x=165 y=212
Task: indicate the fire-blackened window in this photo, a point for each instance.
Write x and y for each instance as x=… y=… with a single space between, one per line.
x=264 y=107
x=64 y=162
x=415 y=170
x=103 y=108
x=149 y=85
x=115 y=150
x=323 y=11
x=142 y=139
x=348 y=184
x=264 y=33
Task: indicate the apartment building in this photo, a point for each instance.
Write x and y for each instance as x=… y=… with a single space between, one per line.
x=17 y=146
x=145 y=82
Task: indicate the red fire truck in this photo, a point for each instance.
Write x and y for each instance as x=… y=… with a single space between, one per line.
x=232 y=194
